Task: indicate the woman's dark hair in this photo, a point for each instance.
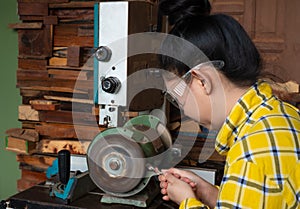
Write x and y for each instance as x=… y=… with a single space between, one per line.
x=218 y=36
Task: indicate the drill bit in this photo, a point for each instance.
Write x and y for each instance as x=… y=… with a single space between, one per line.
x=155 y=170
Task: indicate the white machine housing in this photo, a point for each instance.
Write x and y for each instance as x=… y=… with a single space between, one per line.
x=117 y=20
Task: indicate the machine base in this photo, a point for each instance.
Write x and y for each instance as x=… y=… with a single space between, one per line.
x=142 y=199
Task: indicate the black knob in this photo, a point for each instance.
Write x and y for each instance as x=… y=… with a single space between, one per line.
x=111 y=85
x=103 y=54
x=64 y=166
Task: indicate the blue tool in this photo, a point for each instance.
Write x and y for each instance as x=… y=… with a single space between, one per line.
x=71 y=185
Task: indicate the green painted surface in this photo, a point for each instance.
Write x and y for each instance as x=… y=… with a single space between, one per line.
x=9 y=96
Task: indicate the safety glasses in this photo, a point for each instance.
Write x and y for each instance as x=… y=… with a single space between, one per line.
x=177 y=88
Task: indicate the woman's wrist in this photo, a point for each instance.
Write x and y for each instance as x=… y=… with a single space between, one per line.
x=207 y=193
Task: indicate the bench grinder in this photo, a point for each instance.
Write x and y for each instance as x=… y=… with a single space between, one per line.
x=119 y=159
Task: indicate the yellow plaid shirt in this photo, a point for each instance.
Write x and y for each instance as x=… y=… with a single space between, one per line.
x=261 y=139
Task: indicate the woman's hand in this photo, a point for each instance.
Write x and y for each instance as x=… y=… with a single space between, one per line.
x=174 y=188
x=203 y=190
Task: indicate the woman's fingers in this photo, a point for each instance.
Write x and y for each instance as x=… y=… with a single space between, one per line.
x=163 y=191
x=161 y=178
x=163 y=184
x=166 y=198
x=189 y=181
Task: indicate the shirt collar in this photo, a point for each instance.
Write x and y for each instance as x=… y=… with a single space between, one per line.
x=240 y=114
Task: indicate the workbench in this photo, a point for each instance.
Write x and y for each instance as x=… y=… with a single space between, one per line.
x=37 y=197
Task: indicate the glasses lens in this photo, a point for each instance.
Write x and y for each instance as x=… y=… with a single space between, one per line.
x=172 y=100
x=176 y=94
x=187 y=78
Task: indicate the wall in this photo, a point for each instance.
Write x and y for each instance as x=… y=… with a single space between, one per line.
x=9 y=172
x=289 y=61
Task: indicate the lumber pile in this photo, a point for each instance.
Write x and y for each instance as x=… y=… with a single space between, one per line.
x=288 y=91
x=55 y=78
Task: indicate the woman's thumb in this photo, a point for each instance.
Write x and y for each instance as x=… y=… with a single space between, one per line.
x=170 y=178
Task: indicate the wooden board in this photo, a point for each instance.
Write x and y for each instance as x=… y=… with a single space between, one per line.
x=47 y=146
x=32 y=64
x=70 y=99
x=36 y=161
x=35 y=43
x=73 y=4
x=32 y=75
x=19 y=145
x=68 y=117
x=30 y=178
x=69 y=74
x=50 y=20
x=74 y=56
x=26 y=112
x=33 y=8
x=52 y=84
x=42 y=104
x=68 y=131
x=30 y=25
x=71 y=15
x=21 y=133
x=67 y=35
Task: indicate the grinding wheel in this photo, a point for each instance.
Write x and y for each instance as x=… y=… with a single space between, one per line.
x=116 y=163
x=147 y=122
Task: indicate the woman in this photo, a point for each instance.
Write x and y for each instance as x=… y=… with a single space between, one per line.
x=258 y=133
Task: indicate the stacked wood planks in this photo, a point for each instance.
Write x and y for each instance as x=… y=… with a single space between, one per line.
x=55 y=79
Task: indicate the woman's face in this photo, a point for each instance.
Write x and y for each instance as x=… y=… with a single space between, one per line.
x=189 y=97
x=197 y=105
x=194 y=94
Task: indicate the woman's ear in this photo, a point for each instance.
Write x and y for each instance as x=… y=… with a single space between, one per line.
x=205 y=80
